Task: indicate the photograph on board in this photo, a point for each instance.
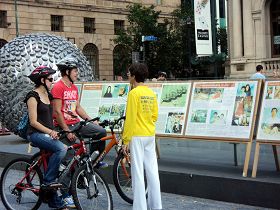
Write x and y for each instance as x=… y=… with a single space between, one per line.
x=199 y=116
x=173 y=95
x=175 y=121
x=270 y=123
x=218 y=117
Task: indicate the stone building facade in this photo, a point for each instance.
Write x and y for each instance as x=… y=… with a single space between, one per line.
x=254 y=36
x=90 y=24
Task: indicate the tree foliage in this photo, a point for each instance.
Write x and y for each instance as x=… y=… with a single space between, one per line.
x=175 y=48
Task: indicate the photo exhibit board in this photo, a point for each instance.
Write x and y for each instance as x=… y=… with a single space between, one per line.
x=79 y=86
x=107 y=101
x=173 y=100
x=269 y=121
x=222 y=110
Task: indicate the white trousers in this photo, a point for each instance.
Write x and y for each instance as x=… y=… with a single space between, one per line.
x=143 y=156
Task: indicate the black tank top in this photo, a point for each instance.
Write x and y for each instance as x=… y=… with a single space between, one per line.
x=44 y=113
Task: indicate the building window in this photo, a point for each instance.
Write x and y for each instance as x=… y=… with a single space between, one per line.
x=275 y=26
x=158 y=2
x=3 y=19
x=2 y=42
x=118 y=26
x=89 y=25
x=56 y=23
x=90 y=51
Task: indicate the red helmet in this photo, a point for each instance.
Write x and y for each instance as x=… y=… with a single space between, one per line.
x=40 y=72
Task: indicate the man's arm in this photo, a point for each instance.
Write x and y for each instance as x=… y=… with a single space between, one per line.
x=81 y=112
x=57 y=105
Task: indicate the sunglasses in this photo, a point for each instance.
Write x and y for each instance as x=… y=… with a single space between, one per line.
x=50 y=79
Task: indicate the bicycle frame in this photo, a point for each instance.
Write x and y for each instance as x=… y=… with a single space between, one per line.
x=80 y=149
x=114 y=141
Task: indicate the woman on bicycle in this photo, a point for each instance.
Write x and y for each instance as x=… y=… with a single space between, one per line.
x=41 y=129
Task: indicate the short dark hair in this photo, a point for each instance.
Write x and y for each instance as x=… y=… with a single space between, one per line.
x=139 y=70
x=259 y=68
x=162 y=73
x=274 y=109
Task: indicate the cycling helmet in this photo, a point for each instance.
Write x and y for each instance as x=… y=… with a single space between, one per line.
x=67 y=64
x=40 y=72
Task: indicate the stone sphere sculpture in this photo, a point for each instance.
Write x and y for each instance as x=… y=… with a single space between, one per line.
x=19 y=58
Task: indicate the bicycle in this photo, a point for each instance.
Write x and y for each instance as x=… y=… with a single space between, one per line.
x=22 y=178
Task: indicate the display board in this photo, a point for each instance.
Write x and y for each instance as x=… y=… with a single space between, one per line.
x=108 y=101
x=173 y=99
x=269 y=121
x=79 y=86
x=222 y=109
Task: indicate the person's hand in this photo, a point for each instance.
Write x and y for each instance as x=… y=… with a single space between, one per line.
x=71 y=136
x=96 y=122
x=125 y=149
x=53 y=134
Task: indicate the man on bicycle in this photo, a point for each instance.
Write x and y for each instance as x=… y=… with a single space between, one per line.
x=67 y=108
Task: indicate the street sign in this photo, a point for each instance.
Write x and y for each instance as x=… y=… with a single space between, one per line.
x=149 y=38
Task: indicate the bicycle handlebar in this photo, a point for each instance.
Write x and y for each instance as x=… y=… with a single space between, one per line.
x=112 y=123
x=82 y=124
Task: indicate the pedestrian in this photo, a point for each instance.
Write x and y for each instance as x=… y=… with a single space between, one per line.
x=162 y=76
x=139 y=137
x=259 y=74
x=67 y=114
x=41 y=130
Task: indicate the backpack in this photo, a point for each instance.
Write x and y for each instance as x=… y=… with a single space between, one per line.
x=22 y=126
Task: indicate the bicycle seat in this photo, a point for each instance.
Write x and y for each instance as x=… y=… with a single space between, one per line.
x=32 y=145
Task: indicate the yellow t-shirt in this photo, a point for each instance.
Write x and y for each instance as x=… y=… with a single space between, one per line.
x=141 y=113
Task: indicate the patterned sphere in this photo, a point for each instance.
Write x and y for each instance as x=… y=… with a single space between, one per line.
x=19 y=58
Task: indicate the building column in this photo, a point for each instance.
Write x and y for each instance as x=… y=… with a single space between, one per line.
x=236 y=29
x=248 y=29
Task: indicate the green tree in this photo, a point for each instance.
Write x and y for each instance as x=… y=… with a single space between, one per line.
x=174 y=51
x=144 y=21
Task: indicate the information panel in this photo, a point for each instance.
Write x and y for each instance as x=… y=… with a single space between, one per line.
x=108 y=101
x=173 y=100
x=269 y=121
x=222 y=109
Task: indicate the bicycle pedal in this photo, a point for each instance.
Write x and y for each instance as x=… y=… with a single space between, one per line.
x=53 y=186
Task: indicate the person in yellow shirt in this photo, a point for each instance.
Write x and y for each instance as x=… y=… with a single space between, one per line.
x=139 y=137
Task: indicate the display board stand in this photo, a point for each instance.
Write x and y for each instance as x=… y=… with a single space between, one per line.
x=257 y=154
x=247 y=159
x=158 y=147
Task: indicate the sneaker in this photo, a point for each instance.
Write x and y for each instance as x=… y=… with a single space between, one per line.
x=68 y=201
x=102 y=165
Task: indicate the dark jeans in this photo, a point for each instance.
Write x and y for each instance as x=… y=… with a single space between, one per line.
x=58 y=149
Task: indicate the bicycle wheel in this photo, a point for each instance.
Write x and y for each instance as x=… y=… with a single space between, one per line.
x=90 y=190
x=122 y=178
x=19 y=186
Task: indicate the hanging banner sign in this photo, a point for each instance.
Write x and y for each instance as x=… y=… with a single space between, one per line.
x=203 y=33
